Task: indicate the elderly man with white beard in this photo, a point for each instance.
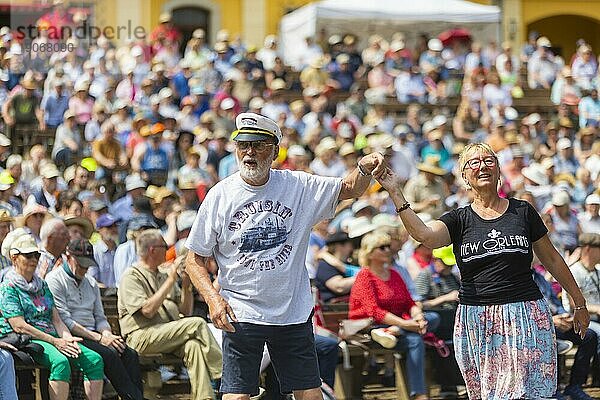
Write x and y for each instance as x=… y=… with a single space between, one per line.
x=256 y=224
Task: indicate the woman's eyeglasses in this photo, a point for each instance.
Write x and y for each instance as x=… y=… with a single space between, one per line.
x=475 y=163
x=384 y=247
x=259 y=146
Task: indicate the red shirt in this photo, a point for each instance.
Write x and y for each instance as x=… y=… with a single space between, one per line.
x=373 y=297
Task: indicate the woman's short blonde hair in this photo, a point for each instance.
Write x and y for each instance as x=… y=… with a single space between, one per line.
x=370 y=242
x=483 y=147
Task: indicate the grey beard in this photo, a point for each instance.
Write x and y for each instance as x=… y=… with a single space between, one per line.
x=254 y=174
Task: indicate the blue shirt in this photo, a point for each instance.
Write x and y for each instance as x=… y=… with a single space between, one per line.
x=54 y=109
x=122 y=209
x=180 y=83
x=555 y=304
x=408 y=281
x=105 y=258
x=125 y=257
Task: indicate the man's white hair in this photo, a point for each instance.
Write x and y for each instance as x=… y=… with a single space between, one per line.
x=49 y=227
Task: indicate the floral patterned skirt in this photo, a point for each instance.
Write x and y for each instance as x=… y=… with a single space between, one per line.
x=506 y=351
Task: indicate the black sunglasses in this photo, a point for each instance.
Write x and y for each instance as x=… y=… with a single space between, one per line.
x=30 y=256
x=384 y=247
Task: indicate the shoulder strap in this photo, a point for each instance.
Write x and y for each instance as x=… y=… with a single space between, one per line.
x=162 y=305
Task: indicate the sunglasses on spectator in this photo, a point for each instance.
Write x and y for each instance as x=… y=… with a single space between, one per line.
x=384 y=247
x=475 y=163
x=259 y=147
x=30 y=256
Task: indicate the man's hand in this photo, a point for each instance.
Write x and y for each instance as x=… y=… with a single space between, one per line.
x=373 y=164
x=417 y=326
x=114 y=341
x=68 y=346
x=220 y=313
x=7 y=346
x=451 y=296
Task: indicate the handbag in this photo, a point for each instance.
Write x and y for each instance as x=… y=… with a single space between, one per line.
x=25 y=347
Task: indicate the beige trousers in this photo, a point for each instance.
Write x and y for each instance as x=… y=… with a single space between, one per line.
x=190 y=339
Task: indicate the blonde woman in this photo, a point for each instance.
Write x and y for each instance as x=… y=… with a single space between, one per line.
x=504 y=335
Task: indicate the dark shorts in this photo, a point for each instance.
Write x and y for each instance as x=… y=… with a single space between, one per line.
x=292 y=351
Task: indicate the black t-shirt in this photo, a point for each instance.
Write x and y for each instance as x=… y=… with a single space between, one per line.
x=324 y=273
x=494 y=256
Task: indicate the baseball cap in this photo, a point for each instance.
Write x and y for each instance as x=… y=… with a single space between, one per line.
x=83 y=252
x=4 y=140
x=560 y=198
x=252 y=127
x=49 y=171
x=24 y=244
x=185 y=220
x=105 y=220
x=592 y=199
x=563 y=143
x=97 y=205
x=445 y=254
x=134 y=182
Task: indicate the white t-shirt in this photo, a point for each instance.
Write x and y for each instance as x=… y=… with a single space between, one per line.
x=259 y=237
x=588 y=282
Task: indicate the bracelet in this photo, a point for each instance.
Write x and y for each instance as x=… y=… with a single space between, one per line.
x=577 y=308
x=361 y=171
x=403 y=207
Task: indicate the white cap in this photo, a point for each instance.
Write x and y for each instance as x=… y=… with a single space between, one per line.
x=435 y=44
x=536 y=174
x=81 y=86
x=439 y=120
x=560 y=198
x=296 y=151
x=563 y=143
x=227 y=104
x=251 y=126
x=256 y=103
x=4 y=140
x=165 y=93
x=359 y=226
x=136 y=51
x=134 y=181
x=592 y=199
x=360 y=205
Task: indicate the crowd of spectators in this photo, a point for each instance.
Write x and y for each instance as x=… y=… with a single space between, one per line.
x=102 y=143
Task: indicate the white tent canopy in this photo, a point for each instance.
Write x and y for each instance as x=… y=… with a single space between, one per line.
x=384 y=17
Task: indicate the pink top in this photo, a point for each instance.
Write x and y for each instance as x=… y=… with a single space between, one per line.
x=81 y=109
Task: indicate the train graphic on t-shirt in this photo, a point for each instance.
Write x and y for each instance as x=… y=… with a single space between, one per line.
x=264 y=237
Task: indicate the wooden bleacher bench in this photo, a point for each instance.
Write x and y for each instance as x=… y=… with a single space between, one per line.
x=149 y=363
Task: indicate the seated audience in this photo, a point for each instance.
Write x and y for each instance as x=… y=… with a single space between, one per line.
x=150 y=303
x=28 y=308
x=79 y=304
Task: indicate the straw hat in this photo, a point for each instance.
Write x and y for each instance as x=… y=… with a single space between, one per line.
x=431 y=164
x=83 y=222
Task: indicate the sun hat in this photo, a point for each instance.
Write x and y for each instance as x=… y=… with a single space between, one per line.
x=83 y=222
x=431 y=164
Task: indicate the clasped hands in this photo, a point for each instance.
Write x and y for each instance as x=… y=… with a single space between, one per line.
x=375 y=164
